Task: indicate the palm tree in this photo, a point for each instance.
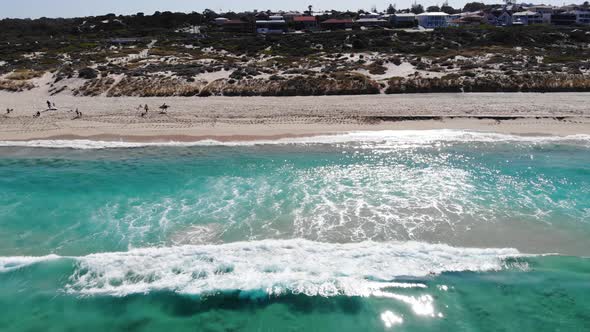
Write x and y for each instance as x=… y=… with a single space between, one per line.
x=310 y=9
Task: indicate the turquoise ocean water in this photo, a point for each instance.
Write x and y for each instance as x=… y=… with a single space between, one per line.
x=382 y=231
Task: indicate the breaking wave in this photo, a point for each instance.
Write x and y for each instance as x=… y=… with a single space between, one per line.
x=14 y=263
x=275 y=267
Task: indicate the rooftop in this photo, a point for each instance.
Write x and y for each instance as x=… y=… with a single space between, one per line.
x=362 y=20
x=305 y=19
x=271 y=21
x=434 y=14
x=338 y=20
x=525 y=13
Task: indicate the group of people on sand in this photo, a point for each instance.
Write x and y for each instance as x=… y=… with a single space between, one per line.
x=164 y=109
x=50 y=107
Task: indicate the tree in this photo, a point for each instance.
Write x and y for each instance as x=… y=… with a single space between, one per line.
x=417 y=9
x=209 y=15
x=474 y=6
x=310 y=10
x=391 y=9
x=447 y=9
x=374 y=9
x=432 y=9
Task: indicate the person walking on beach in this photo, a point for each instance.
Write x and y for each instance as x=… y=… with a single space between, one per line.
x=48 y=104
x=164 y=108
x=145 y=112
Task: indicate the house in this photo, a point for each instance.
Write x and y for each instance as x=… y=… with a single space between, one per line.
x=305 y=23
x=504 y=19
x=491 y=19
x=237 y=26
x=545 y=11
x=527 y=18
x=432 y=20
x=370 y=15
x=582 y=17
x=220 y=20
x=403 y=20
x=452 y=17
x=568 y=8
x=337 y=24
x=513 y=8
x=470 y=19
x=290 y=16
x=271 y=26
x=499 y=17
x=565 y=18
x=372 y=22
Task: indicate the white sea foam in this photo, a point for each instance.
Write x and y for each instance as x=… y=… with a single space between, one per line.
x=273 y=266
x=276 y=267
x=14 y=263
x=400 y=138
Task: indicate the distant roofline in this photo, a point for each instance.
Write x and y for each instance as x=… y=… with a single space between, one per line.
x=433 y=14
x=271 y=21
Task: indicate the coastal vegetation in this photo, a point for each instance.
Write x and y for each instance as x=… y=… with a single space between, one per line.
x=176 y=54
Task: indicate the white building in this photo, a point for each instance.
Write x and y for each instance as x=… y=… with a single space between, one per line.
x=545 y=11
x=582 y=17
x=433 y=20
x=527 y=18
x=371 y=22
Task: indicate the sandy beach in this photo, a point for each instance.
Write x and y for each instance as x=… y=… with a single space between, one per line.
x=250 y=118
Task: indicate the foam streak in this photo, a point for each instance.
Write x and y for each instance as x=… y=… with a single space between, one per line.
x=392 y=137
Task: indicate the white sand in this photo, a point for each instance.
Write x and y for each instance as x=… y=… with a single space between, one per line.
x=259 y=117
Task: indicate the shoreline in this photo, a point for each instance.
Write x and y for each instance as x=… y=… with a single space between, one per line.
x=227 y=119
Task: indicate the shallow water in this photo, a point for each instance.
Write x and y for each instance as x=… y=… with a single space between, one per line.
x=411 y=231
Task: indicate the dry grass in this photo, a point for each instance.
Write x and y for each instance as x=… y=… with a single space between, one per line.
x=24 y=75
x=15 y=86
x=491 y=83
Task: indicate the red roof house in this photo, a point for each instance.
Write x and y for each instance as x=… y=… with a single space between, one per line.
x=337 y=24
x=305 y=22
